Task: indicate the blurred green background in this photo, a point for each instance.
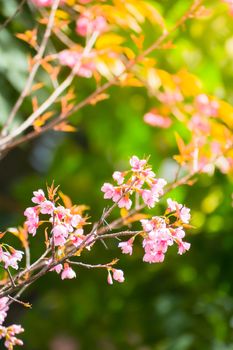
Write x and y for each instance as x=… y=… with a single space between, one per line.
x=184 y=303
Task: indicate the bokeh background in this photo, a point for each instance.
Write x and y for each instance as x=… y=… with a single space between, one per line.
x=184 y=303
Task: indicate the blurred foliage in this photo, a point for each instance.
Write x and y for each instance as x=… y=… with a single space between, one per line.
x=184 y=303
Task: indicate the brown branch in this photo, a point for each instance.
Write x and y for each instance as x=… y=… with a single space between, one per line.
x=34 y=68
x=9 y=143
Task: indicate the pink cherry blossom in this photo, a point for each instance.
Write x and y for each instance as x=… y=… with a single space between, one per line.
x=185 y=215
x=108 y=190
x=87 y=25
x=206 y=106
x=183 y=247
x=149 y=198
x=170 y=97
x=199 y=125
x=125 y=202
x=39 y=197
x=173 y=205
x=32 y=222
x=75 y=60
x=58 y=268
x=118 y=275
x=60 y=233
x=118 y=177
x=68 y=273
x=75 y=220
x=161 y=235
x=154 y=119
x=126 y=247
x=3 y=309
x=137 y=164
x=109 y=278
x=47 y=207
x=9 y=334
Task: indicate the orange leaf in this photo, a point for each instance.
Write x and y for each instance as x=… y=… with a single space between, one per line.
x=34 y=103
x=66 y=199
x=41 y=120
x=98 y=98
x=65 y=127
x=37 y=86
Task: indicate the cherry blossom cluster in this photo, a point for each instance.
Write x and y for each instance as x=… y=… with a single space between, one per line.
x=9 y=256
x=160 y=232
x=140 y=179
x=8 y=332
x=66 y=226
x=65 y=222
x=83 y=66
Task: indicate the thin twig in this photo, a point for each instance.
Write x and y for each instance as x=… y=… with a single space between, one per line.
x=9 y=19
x=34 y=68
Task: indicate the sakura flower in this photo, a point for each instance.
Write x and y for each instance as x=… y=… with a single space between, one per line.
x=75 y=60
x=118 y=177
x=39 y=197
x=9 y=334
x=68 y=272
x=149 y=198
x=154 y=119
x=12 y=259
x=125 y=202
x=137 y=164
x=32 y=222
x=109 y=279
x=75 y=220
x=60 y=233
x=170 y=97
x=47 y=207
x=185 y=215
x=157 y=257
x=198 y=124
x=147 y=225
x=32 y=225
x=87 y=25
x=183 y=247
x=118 y=275
x=58 y=268
x=126 y=247
x=61 y=212
x=206 y=106
x=3 y=309
x=173 y=205
x=108 y=190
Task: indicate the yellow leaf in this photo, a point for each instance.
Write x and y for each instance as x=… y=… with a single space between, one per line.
x=166 y=79
x=124 y=212
x=41 y=120
x=225 y=112
x=109 y=40
x=188 y=83
x=62 y=14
